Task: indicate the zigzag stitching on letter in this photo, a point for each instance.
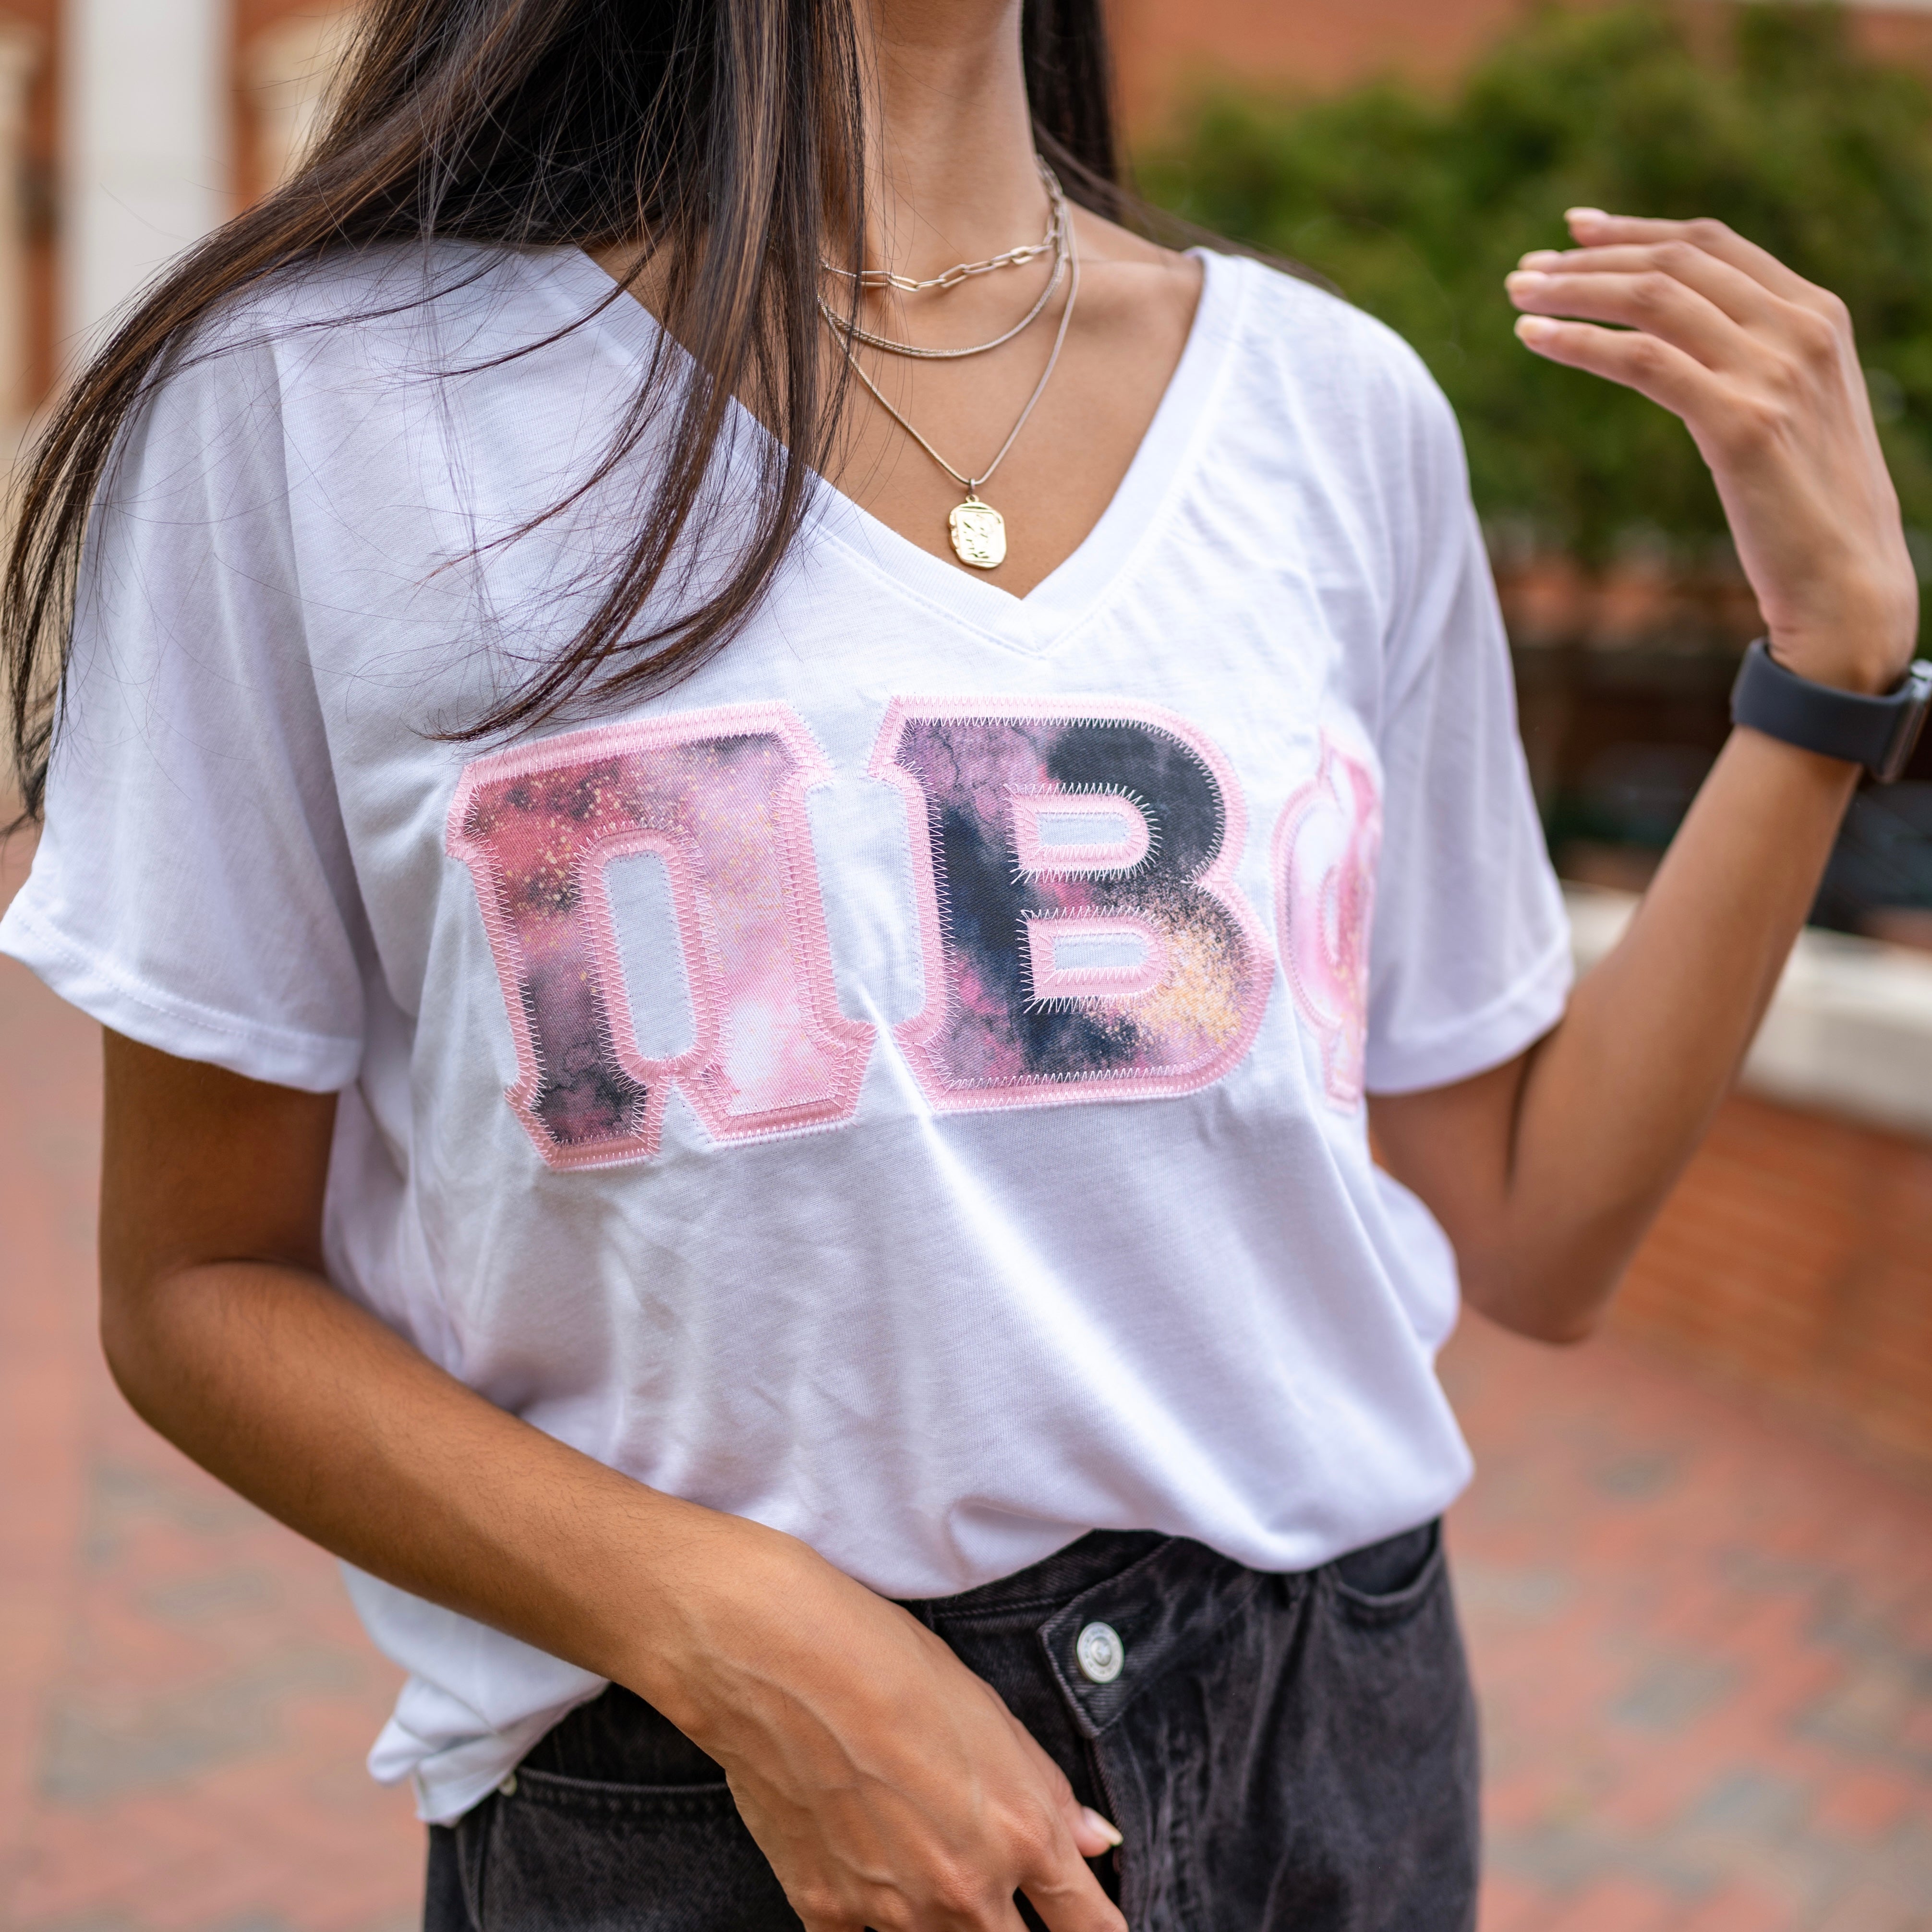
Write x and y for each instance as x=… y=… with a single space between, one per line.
x=1341 y=1035
x=848 y=1041
x=933 y=898
x=1095 y=788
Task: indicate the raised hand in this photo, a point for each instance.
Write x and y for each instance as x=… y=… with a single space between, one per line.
x=1762 y=367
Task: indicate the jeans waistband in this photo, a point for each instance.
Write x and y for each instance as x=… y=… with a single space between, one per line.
x=1103 y=1554
x=1052 y=1581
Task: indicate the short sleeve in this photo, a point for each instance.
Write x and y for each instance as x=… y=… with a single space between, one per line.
x=192 y=888
x=1470 y=957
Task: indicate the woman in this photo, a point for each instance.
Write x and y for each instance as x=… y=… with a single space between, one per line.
x=738 y=1023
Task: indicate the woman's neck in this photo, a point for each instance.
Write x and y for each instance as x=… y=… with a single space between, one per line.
x=950 y=167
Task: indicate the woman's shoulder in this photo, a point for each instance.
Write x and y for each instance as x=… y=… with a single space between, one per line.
x=347 y=353
x=1303 y=346
x=1287 y=325
x=1304 y=324
x=386 y=308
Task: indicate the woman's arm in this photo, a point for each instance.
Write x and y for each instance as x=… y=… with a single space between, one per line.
x=889 y=1786
x=1546 y=1172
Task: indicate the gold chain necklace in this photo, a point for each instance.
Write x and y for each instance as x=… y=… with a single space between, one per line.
x=977 y=531
x=961 y=271
x=1057 y=233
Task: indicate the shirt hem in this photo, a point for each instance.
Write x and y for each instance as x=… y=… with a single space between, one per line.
x=450 y=1779
x=1495 y=1033
x=475 y=1766
x=314 y=1063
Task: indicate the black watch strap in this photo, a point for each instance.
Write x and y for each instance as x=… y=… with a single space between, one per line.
x=1878 y=732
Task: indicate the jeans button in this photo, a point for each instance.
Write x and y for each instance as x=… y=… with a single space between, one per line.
x=1099 y=1653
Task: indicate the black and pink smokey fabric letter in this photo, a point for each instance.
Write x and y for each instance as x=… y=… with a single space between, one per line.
x=1083 y=935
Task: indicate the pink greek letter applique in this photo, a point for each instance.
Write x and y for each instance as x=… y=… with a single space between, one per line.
x=1326 y=844
x=1083 y=937
x=720 y=796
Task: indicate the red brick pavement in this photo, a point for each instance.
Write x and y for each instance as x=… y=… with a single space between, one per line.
x=1704 y=1642
x=185 y=1696
x=1797 y=1257
x=1705 y=1648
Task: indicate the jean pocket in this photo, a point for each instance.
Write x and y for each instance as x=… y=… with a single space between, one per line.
x=574 y=1855
x=1391 y=1581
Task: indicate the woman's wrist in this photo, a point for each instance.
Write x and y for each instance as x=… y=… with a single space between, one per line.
x=719 y=1588
x=1866 y=650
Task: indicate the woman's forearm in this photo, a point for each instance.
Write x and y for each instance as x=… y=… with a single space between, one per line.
x=309 y=1406
x=1546 y=1172
x=222 y=1332
x=1615 y=1101
x=872 y=1768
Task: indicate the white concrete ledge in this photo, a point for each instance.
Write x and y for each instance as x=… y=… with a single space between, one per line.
x=1849 y=1030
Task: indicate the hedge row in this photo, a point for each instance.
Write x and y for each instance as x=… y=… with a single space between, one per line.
x=1416 y=206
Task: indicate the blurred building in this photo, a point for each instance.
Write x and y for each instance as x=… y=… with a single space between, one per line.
x=1168 y=53
x=131 y=127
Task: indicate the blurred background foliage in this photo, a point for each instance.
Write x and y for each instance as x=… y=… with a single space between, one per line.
x=1416 y=206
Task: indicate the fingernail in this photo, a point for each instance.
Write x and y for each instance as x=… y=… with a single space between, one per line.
x=1525 y=278
x=1542 y=258
x=1110 y=1832
x=1585 y=214
x=1534 y=328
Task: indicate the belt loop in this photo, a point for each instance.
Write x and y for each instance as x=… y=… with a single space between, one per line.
x=472 y=1845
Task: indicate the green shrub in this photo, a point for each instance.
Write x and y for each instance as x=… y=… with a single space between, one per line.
x=1416 y=207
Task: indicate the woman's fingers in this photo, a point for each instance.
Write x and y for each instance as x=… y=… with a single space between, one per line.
x=1741 y=297
x=1761 y=366
x=1675 y=381
x=1066 y=1892
x=1651 y=299
x=1068 y=1898
x=1055 y=1877
x=902 y=1795
x=1594 y=229
x=1093 y=1834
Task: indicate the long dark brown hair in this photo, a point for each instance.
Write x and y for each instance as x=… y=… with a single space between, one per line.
x=728 y=132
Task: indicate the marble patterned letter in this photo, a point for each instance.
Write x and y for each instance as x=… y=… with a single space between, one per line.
x=1084 y=939
x=1325 y=848
x=719 y=796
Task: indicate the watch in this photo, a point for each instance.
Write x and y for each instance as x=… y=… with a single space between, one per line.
x=1879 y=732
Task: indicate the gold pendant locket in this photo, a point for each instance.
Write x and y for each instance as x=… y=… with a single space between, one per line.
x=979 y=533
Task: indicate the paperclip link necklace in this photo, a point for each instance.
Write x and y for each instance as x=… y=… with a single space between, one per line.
x=977 y=531
x=961 y=271
x=849 y=328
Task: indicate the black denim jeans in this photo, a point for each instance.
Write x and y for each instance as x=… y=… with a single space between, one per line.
x=1290 y=1752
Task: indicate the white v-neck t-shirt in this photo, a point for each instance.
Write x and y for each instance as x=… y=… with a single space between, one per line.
x=905 y=1084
